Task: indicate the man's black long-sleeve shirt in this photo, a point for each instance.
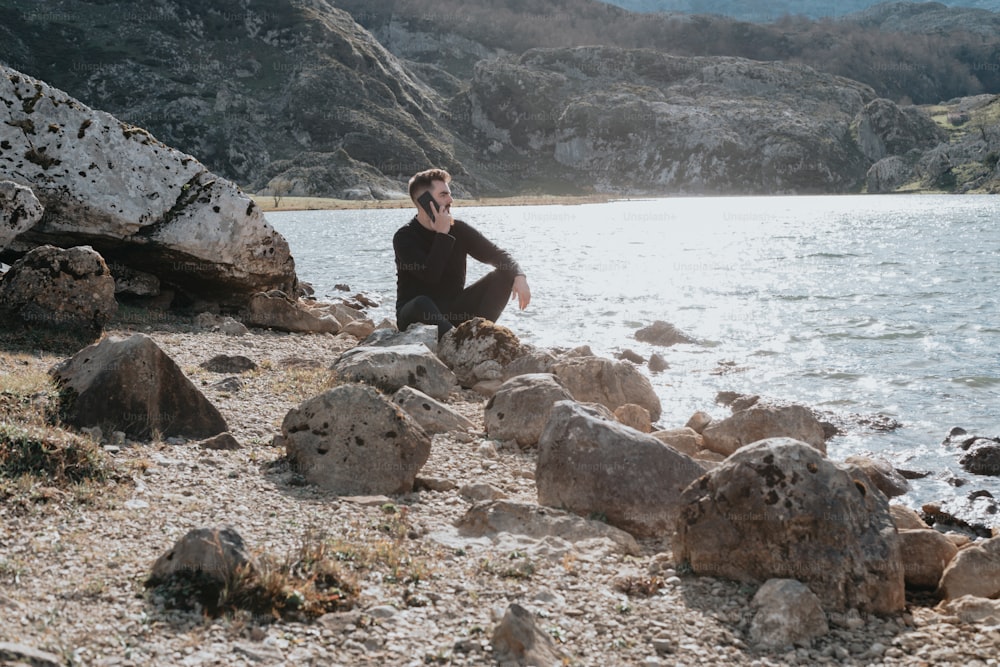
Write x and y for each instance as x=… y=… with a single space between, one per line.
x=432 y=264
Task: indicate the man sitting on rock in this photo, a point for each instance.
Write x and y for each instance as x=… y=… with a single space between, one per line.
x=431 y=252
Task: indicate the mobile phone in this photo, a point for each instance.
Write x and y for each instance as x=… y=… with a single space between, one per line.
x=427 y=202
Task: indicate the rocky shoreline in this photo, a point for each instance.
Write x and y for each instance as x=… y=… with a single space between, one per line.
x=200 y=464
x=74 y=566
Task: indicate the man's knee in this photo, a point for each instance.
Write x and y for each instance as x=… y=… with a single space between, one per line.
x=421 y=309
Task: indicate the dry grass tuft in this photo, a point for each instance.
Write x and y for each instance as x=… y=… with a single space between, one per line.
x=51 y=454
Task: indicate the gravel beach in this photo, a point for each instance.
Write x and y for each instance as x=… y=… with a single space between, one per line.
x=73 y=563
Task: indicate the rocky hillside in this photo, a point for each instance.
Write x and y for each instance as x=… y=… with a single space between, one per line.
x=303 y=98
x=769 y=10
x=254 y=90
x=928 y=18
x=639 y=121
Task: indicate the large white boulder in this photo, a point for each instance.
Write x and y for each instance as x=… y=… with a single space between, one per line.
x=137 y=202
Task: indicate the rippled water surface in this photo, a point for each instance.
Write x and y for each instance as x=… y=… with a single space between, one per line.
x=858 y=304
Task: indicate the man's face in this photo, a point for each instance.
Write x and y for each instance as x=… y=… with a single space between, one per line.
x=442 y=195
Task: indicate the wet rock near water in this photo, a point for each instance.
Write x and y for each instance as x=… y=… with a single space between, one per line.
x=976 y=514
x=611 y=383
x=663 y=334
x=982 y=457
x=974 y=570
x=881 y=474
x=833 y=423
x=759 y=423
x=779 y=509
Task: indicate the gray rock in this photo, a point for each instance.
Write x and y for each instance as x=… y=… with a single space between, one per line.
x=532 y=360
x=595 y=467
x=433 y=416
x=973 y=610
x=759 y=423
x=20 y=210
x=663 y=334
x=130 y=385
x=608 y=382
x=135 y=200
x=787 y=613
x=888 y=174
x=275 y=310
x=881 y=474
x=353 y=441
x=517 y=640
x=414 y=334
x=684 y=440
x=975 y=570
x=53 y=288
x=520 y=407
x=657 y=363
x=478 y=350
x=224 y=363
x=222 y=442
x=885 y=129
x=133 y=282
x=391 y=368
x=19 y=654
x=481 y=492
x=535 y=521
x=925 y=554
x=201 y=566
x=982 y=458
x=779 y=509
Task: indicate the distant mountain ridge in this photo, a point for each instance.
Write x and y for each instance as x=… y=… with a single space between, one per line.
x=349 y=98
x=765 y=11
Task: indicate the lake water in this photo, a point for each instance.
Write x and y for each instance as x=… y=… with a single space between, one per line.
x=858 y=304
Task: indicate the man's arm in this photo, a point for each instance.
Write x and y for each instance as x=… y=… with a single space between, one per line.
x=426 y=266
x=481 y=249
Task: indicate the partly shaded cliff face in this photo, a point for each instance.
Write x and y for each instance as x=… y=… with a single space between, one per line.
x=770 y=10
x=241 y=85
x=645 y=122
x=295 y=95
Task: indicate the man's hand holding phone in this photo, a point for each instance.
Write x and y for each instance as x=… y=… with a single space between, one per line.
x=441 y=219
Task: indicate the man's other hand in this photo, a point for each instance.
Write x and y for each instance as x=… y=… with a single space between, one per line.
x=521 y=291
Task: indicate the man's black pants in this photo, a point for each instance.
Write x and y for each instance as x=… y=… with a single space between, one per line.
x=485 y=298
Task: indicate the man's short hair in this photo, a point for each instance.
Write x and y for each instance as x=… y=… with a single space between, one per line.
x=424 y=180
